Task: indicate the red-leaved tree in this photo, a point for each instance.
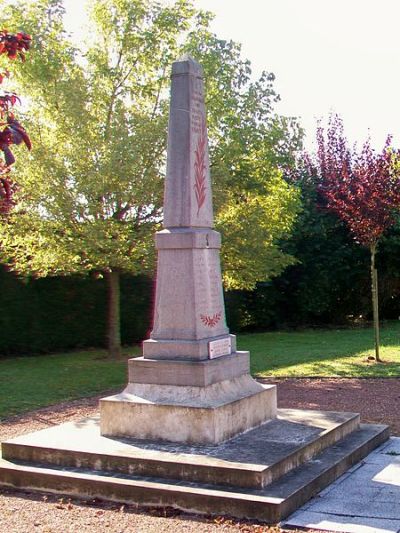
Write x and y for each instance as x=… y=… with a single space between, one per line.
x=11 y=132
x=361 y=187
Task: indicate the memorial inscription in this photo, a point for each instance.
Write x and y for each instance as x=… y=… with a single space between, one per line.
x=196 y=105
x=209 y=296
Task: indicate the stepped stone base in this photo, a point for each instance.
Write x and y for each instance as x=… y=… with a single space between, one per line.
x=195 y=350
x=264 y=474
x=188 y=414
x=188 y=373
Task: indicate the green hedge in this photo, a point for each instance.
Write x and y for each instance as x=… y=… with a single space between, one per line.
x=60 y=313
x=329 y=285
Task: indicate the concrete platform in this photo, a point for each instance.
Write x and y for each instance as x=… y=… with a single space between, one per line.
x=365 y=499
x=265 y=473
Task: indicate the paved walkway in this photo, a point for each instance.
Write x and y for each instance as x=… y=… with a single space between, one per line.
x=364 y=500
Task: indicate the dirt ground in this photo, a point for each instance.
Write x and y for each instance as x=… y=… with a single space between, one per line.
x=377 y=400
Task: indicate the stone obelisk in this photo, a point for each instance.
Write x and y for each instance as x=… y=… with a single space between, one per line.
x=191 y=385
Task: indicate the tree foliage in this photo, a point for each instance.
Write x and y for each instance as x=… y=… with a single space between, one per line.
x=91 y=197
x=329 y=282
x=250 y=147
x=12 y=46
x=362 y=188
x=101 y=114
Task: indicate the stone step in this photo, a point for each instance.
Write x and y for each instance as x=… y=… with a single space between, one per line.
x=254 y=459
x=270 y=504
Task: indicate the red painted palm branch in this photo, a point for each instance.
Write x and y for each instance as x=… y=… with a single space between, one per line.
x=211 y=321
x=200 y=167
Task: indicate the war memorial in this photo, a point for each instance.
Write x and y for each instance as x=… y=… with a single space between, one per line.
x=192 y=429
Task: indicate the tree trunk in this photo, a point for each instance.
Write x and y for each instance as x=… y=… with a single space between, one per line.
x=375 y=305
x=114 y=324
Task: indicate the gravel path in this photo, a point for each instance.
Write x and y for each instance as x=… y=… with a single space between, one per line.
x=377 y=400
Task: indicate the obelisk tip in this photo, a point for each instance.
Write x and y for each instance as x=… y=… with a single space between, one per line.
x=187 y=65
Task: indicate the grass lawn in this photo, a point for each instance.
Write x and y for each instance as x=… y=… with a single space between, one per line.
x=28 y=383
x=324 y=353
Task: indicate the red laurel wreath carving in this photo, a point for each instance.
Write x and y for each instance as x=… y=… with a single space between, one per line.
x=211 y=321
x=200 y=167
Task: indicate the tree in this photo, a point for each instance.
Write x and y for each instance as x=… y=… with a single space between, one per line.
x=250 y=147
x=328 y=284
x=12 y=46
x=91 y=197
x=362 y=188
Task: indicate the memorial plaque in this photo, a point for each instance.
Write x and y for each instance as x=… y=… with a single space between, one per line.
x=219 y=347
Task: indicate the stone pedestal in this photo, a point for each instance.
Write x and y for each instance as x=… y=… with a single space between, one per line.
x=191 y=385
x=188 y=414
